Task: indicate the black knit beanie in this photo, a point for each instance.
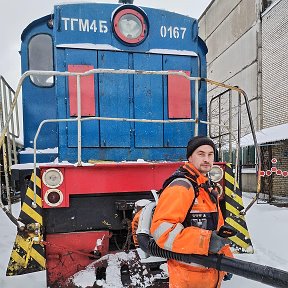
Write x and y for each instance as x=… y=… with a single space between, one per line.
x=197 y=141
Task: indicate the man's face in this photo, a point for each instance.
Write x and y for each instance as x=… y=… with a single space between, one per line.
x=202 y=158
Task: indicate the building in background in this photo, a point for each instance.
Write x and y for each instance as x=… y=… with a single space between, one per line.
x=247 y=42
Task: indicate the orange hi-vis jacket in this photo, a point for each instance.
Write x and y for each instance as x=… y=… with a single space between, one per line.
x=170 y=230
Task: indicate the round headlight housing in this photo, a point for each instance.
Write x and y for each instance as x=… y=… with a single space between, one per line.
x=52 y=178
x=216 y=173
x=130 y=26
x=53 y=197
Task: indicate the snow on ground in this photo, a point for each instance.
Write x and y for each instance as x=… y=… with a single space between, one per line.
x=266 y=223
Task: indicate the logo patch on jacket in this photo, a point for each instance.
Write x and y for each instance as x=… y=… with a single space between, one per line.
x=206 y=221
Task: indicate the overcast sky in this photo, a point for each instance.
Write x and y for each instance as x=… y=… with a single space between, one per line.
x=15 y=15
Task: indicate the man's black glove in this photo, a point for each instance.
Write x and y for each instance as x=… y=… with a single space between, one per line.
x=217 y=242
x=227 y=277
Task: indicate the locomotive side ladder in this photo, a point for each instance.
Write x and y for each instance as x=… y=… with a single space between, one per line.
x=9 y=126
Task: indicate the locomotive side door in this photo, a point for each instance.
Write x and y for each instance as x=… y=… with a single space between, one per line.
x=114 y=99
x=38 y=94
x=148 y=101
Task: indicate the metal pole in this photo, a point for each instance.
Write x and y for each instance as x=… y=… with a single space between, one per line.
x=8 y=128
x=4 y=150
x=239 y=137
x=230 y=127
x=219 y=130
x=196 y=108
x=79 y=144
x=13 y=131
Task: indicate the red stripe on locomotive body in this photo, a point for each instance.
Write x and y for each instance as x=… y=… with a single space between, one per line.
x=110 y=178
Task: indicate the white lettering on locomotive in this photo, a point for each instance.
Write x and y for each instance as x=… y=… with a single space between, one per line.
x=173 y=32
x=84 y=25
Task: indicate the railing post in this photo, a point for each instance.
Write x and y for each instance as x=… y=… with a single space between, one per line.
x=79 y=136
x=13 y=130
x=230 y=127
x=196 y=127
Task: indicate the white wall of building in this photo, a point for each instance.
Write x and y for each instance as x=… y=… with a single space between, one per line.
x=249 y=49
x=231 y=32
x=275 y=64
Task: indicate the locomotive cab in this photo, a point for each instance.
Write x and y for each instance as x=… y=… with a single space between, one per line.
x=84 y=39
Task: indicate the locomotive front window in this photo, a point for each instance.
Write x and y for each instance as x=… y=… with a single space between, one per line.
x=40 y=53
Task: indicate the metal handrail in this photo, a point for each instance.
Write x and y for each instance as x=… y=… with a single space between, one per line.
x=257 y=147
x=6 y=93
x=79 y=119
x=12 y=91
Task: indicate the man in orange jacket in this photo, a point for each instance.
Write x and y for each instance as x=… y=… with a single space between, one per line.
x=187 y=218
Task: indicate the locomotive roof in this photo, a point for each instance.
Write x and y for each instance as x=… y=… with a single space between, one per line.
x=51 y=16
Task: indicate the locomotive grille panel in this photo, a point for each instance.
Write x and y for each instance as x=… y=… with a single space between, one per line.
x=88 y=213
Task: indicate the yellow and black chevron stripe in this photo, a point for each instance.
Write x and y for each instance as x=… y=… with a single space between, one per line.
x=234 y=204
x=28 y=255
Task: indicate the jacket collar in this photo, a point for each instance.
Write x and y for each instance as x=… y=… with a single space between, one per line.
x=191 y=169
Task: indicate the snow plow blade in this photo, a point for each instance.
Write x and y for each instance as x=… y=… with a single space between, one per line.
x=120 y=269
x=260 y=273
x=28 y=254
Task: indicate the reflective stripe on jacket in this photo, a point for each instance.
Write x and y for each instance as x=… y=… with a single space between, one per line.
x=167 y=228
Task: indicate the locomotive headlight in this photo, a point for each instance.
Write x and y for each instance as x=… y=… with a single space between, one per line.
x=216 y=173
x=53 y=197
x=130 y=26
x=52 y=178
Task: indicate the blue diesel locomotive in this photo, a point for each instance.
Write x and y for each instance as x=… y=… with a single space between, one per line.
x=111 y=95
